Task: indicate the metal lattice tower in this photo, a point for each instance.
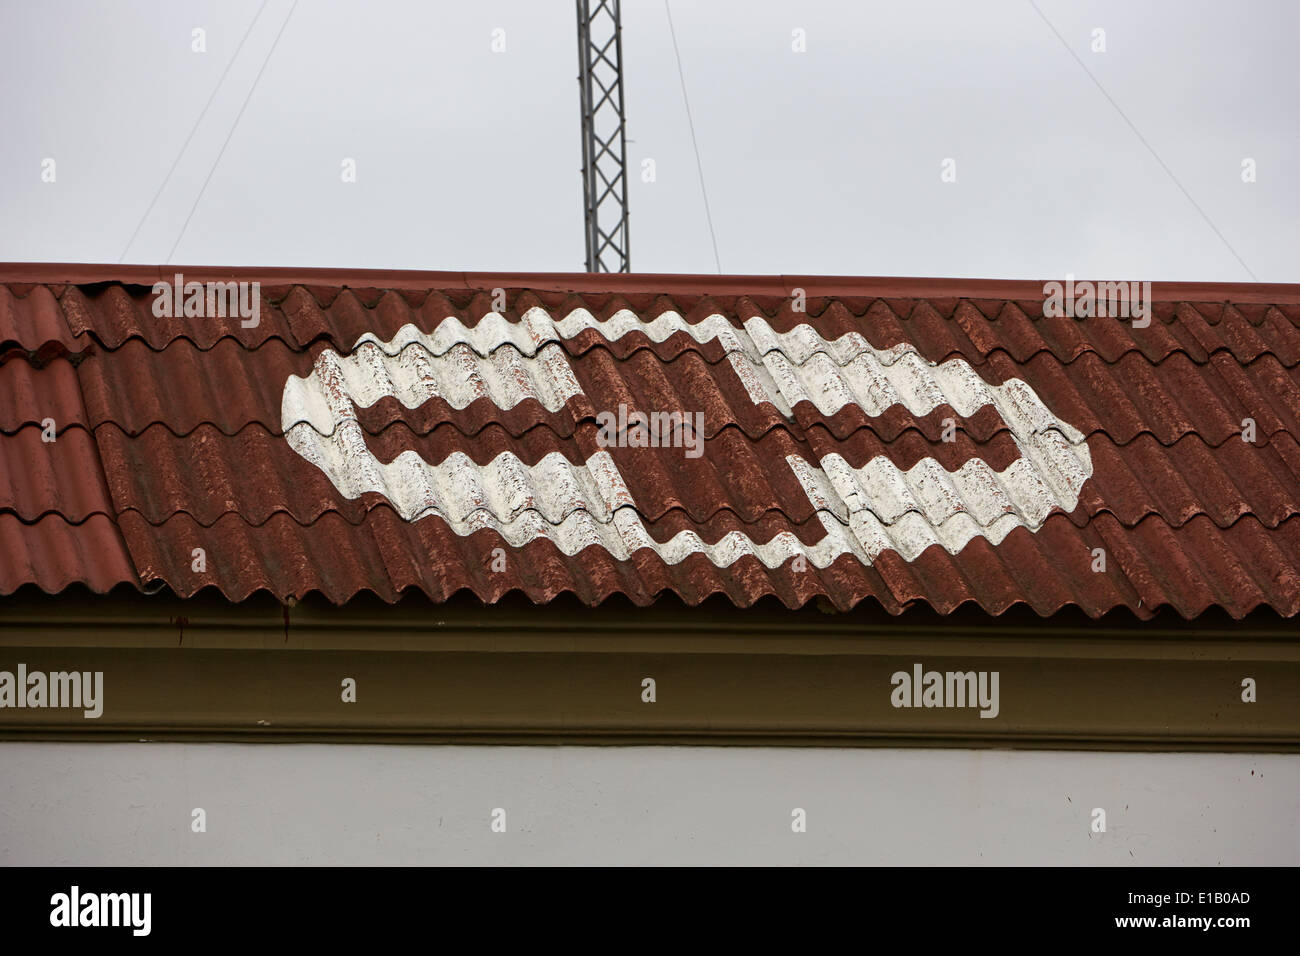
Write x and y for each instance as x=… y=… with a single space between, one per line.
x=604 y=150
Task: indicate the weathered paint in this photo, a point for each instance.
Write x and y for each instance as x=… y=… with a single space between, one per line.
x=182 y=421
x=864 y=511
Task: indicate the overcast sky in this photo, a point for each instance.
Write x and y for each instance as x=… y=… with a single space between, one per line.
x=1125 y=163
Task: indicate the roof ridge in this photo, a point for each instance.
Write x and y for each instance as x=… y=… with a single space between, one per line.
x=44 y=273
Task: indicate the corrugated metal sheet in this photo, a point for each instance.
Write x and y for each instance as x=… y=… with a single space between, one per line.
x=910 y=447
x=31 y=393
x=940 y=328
x=39 y=477
x=1190 y=568
x=183 y=386
x=57 y=523
x=32 y=321
x=53 y=553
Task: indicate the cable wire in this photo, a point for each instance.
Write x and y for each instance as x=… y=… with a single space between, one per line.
x=699 y=166
x=233 y=127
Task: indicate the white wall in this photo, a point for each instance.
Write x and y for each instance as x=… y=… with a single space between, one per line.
x=115 y=804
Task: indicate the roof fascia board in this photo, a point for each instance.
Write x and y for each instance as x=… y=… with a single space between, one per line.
x=568 y=696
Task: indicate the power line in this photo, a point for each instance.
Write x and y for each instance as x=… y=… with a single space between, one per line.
x=1143 y=141
x=233 y=127
x=694 y=143
x=194 y=129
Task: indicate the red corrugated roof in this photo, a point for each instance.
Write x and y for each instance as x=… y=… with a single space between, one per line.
x=824 y=470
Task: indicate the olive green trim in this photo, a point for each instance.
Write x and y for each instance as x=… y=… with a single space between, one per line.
x=207 y=669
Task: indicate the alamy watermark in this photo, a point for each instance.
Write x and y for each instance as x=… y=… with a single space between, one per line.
x=208 y=300
x=633 y=429
x=1104 y=300
x=81 y=690
x=923 y=688
x=75 y=908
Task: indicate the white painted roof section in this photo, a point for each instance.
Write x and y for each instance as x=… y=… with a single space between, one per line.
x=864 y=511
x=414 y=376
x=536 y=327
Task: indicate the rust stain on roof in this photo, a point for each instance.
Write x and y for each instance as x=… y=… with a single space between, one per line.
x=905 y=441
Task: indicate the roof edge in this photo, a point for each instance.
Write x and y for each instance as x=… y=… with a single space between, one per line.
x=585 y=282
